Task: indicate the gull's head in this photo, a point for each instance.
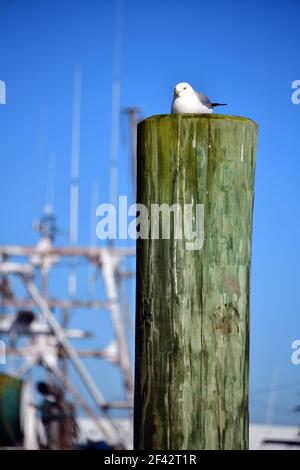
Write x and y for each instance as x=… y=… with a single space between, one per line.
x=182 y=89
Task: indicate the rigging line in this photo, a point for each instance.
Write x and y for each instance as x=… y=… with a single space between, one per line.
x=282 y=386
x=93 y=237
x=259 y=402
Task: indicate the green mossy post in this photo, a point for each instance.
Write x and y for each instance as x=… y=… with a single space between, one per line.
x=192 y=329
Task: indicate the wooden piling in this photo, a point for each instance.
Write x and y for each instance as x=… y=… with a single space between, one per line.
x=192 y=324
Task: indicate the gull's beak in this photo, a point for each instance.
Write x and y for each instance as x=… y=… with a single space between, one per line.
x=176 y=92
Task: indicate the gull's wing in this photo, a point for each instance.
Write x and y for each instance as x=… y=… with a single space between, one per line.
x=204 y=100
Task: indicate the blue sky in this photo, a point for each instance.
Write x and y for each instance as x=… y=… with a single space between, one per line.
x=243 y=53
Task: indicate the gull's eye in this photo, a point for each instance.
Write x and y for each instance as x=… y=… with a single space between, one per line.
x=184 y=87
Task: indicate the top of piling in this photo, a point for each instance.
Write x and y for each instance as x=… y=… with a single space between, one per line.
x=175 y=117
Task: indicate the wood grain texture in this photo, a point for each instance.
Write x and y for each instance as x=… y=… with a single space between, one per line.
x=192 y=324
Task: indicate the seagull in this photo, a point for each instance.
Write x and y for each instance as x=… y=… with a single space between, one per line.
x=187 y=100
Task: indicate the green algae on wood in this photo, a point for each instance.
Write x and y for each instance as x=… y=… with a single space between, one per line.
x=192 y=324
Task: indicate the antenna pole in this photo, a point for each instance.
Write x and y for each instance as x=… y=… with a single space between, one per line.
x=116 y=93
x=74 y=190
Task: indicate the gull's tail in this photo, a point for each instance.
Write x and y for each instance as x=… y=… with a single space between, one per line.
x=218 y=104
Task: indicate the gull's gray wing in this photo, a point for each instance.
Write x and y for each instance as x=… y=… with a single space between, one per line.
x=204 y=100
